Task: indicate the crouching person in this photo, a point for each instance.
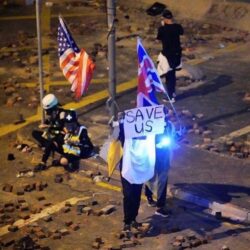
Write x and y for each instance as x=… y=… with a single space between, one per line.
x=52 y=136
x=77 y=144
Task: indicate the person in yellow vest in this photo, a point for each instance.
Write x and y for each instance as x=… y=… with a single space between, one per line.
x=77 y=144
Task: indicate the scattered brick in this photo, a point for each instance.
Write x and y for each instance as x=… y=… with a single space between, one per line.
x=115 y=247
x=87 y=210
x=9 y=220
x=19 y=191
x=58 y=178
x=176 y=243
x=39 y=186
x=21 y=200
x=10 y=157
x=28 y=187
x=24 y=207
x=204 y=240
x=7 y=242
x=47 y=204
x=56 y=236
x=1 y=210
x=225 y=248
x=7 y=188
x=74 y=227
x=96 y=245
x=196 y=243
x=9 y=204
x=40 y=198
x=44 y=184
x=191 y=236
x=68 y=204
x=180 y=238
x=99 y=239
x=120 y=235
x=9 y=209
x=36 y=209
x=127 y=244
x=93 y=203
x=89 y=173
x=64 y=231
x=186 y=245
x=108 y=209
x=12 y=228
x=65 y=209
x=24 y=216
x=47 y=218
x=97 y=212
x=68 y=223
x=40 y=235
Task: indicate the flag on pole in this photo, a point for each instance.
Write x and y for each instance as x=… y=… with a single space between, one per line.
x=148 y=79
x=75 y=63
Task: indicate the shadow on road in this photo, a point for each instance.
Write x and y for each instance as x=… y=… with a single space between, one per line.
x=221 y=193
x=218 y=83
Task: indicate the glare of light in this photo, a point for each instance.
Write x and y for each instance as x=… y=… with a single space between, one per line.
x=164 y=142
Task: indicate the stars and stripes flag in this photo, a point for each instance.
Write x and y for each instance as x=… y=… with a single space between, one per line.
x=148 y=79
x=75 y=63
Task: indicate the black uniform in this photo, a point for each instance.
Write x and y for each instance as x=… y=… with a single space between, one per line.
x=169 y=35
x=131 y=193
x=52 y=138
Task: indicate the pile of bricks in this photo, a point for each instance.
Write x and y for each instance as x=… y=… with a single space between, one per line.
x=240 y=149
x=189 y=241
x=28 y=187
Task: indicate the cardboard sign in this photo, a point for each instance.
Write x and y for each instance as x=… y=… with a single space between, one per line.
x=144 y=121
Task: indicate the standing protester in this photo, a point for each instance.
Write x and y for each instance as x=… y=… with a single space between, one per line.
x=169 y=34
x=162 y=165
x=135 y=168
x=51 y=139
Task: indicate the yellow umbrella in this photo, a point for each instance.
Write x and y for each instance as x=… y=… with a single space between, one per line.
x=114 y=155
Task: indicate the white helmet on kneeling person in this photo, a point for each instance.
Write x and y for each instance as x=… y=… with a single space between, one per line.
x=49 y=101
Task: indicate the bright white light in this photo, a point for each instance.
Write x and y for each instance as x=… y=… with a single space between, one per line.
x=165 y=142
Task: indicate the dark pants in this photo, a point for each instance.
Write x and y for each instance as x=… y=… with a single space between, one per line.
x=50 y=145
x=170 y=83
x=131 y=200
x=161 y=199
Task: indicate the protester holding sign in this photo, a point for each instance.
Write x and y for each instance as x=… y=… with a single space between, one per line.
x=138 y=161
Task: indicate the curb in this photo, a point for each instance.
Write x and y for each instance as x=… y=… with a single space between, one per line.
x=226 y=210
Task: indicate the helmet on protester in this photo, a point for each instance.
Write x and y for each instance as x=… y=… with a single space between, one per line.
x=167 y=14
x=49 y=101
x=70 y=120
x=70 y=116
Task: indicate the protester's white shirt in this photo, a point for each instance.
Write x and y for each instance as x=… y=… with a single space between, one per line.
x=138 y=161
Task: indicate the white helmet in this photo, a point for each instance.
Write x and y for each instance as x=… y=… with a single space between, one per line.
x=49 y=101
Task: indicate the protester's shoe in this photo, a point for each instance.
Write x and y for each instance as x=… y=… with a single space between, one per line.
x=126 y=228
x=56 y=163
x=135 y=224
x=72 y=167
x=171 y=100
x=162 y=212
x=151 y=202
x=40 y=167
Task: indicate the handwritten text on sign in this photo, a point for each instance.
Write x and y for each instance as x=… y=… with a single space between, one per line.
x=144 y=121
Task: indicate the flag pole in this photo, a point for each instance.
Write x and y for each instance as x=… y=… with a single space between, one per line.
x=111 y=56
x=39 y=48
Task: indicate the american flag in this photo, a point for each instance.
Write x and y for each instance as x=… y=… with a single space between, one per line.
x=75 y=63
x=148 y=79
